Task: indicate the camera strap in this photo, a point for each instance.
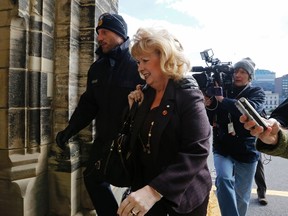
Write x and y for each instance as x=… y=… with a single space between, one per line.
x=230 y=125
x=238 y=96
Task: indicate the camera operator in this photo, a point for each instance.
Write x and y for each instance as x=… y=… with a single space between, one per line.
x=235 y=155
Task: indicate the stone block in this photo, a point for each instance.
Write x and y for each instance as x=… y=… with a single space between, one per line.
x=7 y=5
x=17 y=88
x=3 y=89
x=49 y=14
x=4 y=55
x=16 y=128
x=88 y=12
x=5 y=17
x=3 y=128
x=19 y=197
x=46 y=125
x=34 y=89
x=11 y=200
x=5 y=163
x=65 y=194
x=35 y=44
x=48 y=46
x=34 y=127
x=63 y=11
x=45 y=96
x=18 y=49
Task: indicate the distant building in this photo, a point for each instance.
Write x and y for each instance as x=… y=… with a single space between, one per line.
x=264 y=79
x=281 y=87
x=272 y=101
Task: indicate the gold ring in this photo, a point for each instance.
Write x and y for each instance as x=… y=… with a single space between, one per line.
x=134 y=213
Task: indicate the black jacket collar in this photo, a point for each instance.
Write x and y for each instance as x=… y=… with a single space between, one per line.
x=115 y=53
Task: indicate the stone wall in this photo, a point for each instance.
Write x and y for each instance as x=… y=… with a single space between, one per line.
x=46 y=48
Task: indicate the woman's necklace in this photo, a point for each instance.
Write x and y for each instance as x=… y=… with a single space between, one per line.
x=147 y=147
x=145 y=136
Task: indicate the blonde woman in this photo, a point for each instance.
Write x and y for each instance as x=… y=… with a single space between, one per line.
x=170 y=134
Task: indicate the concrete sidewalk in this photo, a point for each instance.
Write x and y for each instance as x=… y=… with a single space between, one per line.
x=213 y=207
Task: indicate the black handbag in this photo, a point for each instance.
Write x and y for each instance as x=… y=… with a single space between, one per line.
x=112 y=167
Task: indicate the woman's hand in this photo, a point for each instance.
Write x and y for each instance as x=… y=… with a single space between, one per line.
x=136 y=95
x=139 y=202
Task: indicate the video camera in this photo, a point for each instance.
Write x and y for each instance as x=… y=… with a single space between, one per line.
x=215 y=77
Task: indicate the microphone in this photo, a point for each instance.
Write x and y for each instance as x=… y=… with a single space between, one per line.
x=198 y=69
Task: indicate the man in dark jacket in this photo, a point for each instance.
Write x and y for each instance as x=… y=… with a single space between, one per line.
x=110 y=79
x=235 y=155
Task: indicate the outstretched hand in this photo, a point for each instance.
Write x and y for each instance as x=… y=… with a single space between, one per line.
x=268 y=136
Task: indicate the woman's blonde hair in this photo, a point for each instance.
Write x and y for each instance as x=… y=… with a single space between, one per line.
x=173 y=62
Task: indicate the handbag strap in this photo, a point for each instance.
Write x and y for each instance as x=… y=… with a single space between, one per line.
x=130 y=117
x=133 y=111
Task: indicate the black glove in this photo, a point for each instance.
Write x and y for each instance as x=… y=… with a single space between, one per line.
x=62 y=137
